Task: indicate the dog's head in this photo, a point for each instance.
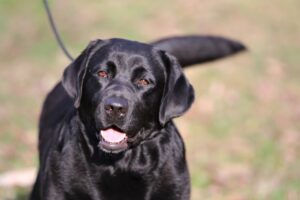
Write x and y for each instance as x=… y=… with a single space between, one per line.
x=126 y=91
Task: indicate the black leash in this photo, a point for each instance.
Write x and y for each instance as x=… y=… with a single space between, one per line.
x=54 y=30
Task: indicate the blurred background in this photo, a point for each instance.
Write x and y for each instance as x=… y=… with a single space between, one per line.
x=242 y=134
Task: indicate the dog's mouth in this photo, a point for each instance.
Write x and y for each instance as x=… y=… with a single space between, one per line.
x=113 y=140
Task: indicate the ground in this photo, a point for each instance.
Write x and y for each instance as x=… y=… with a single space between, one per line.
x=242 y=134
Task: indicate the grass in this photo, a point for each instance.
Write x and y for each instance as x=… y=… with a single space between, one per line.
x=242 y=134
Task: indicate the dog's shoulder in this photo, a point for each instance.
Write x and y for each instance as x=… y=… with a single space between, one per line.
x=55 y=108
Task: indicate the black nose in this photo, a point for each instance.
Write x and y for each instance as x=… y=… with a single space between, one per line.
x=116 y=107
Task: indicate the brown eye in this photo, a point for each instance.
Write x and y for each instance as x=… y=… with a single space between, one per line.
x=143 y=82
x=103 y=74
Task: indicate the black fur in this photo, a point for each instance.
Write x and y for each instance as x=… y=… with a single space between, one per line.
x=74 y=163
x=194 y=49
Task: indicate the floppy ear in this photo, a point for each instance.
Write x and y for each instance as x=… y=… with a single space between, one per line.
x=178 y=94
x=74 y=74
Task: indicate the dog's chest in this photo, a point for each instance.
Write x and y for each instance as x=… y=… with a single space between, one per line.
x=128 y=185
x=112 y=184
x=103 y=182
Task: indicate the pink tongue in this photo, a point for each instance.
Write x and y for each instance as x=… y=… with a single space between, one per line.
x=113 y=136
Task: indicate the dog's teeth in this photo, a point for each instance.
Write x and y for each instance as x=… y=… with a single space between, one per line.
x=114 y=142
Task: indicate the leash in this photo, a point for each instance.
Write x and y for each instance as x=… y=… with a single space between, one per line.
x=55 y=31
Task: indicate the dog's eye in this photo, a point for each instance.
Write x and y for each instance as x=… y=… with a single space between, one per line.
x=103 y=74
x=143 y=82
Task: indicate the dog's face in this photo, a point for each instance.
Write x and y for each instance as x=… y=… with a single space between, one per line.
x=126 y=91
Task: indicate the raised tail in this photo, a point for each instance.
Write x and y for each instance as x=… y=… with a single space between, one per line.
x=193 y=49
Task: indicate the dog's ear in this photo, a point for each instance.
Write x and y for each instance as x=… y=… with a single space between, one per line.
x=178 y=93
x=74 y=74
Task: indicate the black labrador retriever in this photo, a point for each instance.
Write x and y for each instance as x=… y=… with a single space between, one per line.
x=106 y=131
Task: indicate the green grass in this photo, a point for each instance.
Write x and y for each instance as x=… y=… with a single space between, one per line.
x=242 y=133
